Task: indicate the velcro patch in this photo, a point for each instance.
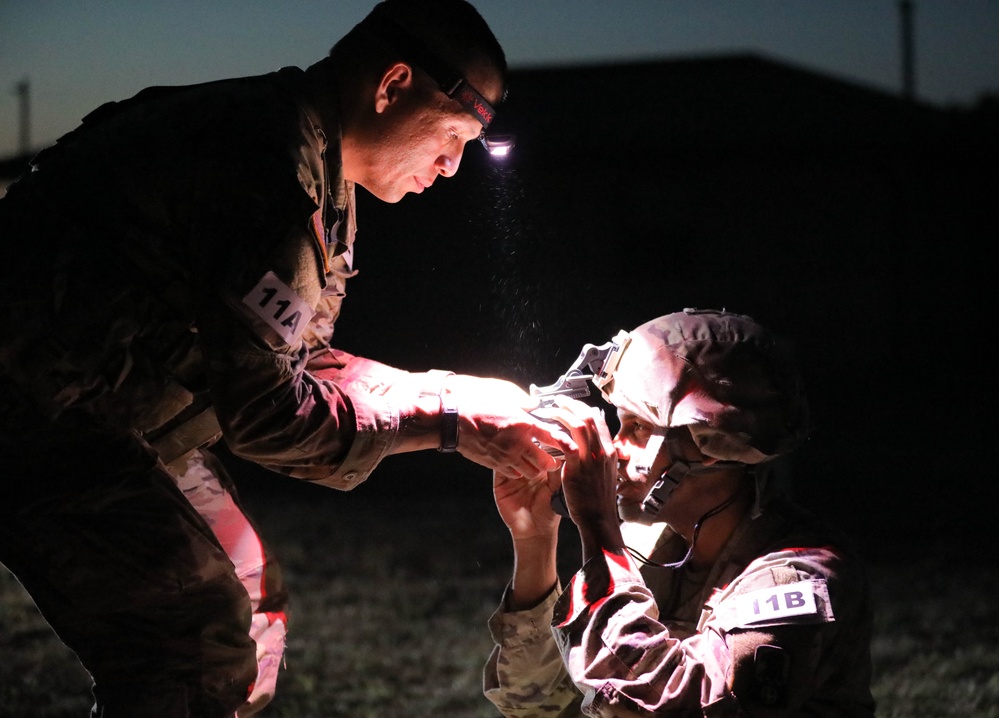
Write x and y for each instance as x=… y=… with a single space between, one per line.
x=777 y=602
x=280 y=307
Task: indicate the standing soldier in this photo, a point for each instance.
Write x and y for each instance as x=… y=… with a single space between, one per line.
x=171 y=273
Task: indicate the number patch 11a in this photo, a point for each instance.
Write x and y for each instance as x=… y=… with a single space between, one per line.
x=776 y=602
x=277 y=304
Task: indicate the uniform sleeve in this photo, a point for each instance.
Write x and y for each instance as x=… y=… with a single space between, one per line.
x=375 y=391
x=797 y=624
x=524 y=676
x=769 y=643
x=624 y=659
x=326 y=416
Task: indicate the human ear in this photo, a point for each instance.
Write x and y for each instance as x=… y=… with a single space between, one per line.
x=397 y=78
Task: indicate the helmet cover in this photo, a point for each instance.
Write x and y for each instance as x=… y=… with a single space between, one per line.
x=732 y=382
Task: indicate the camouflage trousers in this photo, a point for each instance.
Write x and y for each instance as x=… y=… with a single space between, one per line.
x=126 y=570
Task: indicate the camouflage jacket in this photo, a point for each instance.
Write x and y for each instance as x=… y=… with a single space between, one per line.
x=174 y=267
x=779 y=626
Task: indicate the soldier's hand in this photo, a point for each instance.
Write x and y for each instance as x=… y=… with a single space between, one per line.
x=497 y=430
x=525 y=505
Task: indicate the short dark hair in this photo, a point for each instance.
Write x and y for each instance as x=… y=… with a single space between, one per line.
x=453 y=29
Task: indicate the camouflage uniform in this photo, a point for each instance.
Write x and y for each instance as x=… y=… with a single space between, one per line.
x=170 y=273
x=780 y=625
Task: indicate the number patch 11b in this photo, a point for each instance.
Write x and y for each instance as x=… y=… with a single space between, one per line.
x=768 y=604
x=277 y=304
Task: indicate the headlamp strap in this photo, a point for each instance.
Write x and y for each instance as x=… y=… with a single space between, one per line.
x=450 y=82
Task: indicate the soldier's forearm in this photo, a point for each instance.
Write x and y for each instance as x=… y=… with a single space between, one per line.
x=534 y=573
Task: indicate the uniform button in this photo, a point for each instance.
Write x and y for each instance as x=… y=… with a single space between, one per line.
x=350 y=475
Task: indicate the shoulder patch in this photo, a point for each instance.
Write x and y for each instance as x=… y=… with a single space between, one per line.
x=280 y=307
x=776 y=603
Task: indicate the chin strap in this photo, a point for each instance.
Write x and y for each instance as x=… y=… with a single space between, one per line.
x=671 y=478
x=693 y=537
x=675 y=472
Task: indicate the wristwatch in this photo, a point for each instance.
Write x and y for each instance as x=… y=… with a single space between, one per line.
x=449 y=424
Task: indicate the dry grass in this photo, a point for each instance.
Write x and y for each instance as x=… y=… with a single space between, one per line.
x=391 y=596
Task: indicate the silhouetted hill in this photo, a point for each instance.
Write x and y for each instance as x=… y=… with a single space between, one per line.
x=737 y=102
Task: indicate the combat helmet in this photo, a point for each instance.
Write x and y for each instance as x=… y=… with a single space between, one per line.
x=730 y=381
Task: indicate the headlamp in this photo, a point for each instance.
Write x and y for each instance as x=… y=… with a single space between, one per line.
x=497 y=145
x=450 y=82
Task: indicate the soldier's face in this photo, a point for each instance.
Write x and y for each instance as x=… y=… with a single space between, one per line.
x=416 y=136
x=428 y=145
x=633 y=485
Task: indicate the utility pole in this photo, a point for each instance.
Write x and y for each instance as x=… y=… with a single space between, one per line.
x=906 y=10
x=23 y=92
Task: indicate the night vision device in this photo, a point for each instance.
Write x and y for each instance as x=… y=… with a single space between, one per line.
x=596 y=365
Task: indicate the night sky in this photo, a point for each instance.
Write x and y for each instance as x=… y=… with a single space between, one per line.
x=76 y=56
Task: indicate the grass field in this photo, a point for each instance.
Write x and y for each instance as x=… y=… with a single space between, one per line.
x=391 y=593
